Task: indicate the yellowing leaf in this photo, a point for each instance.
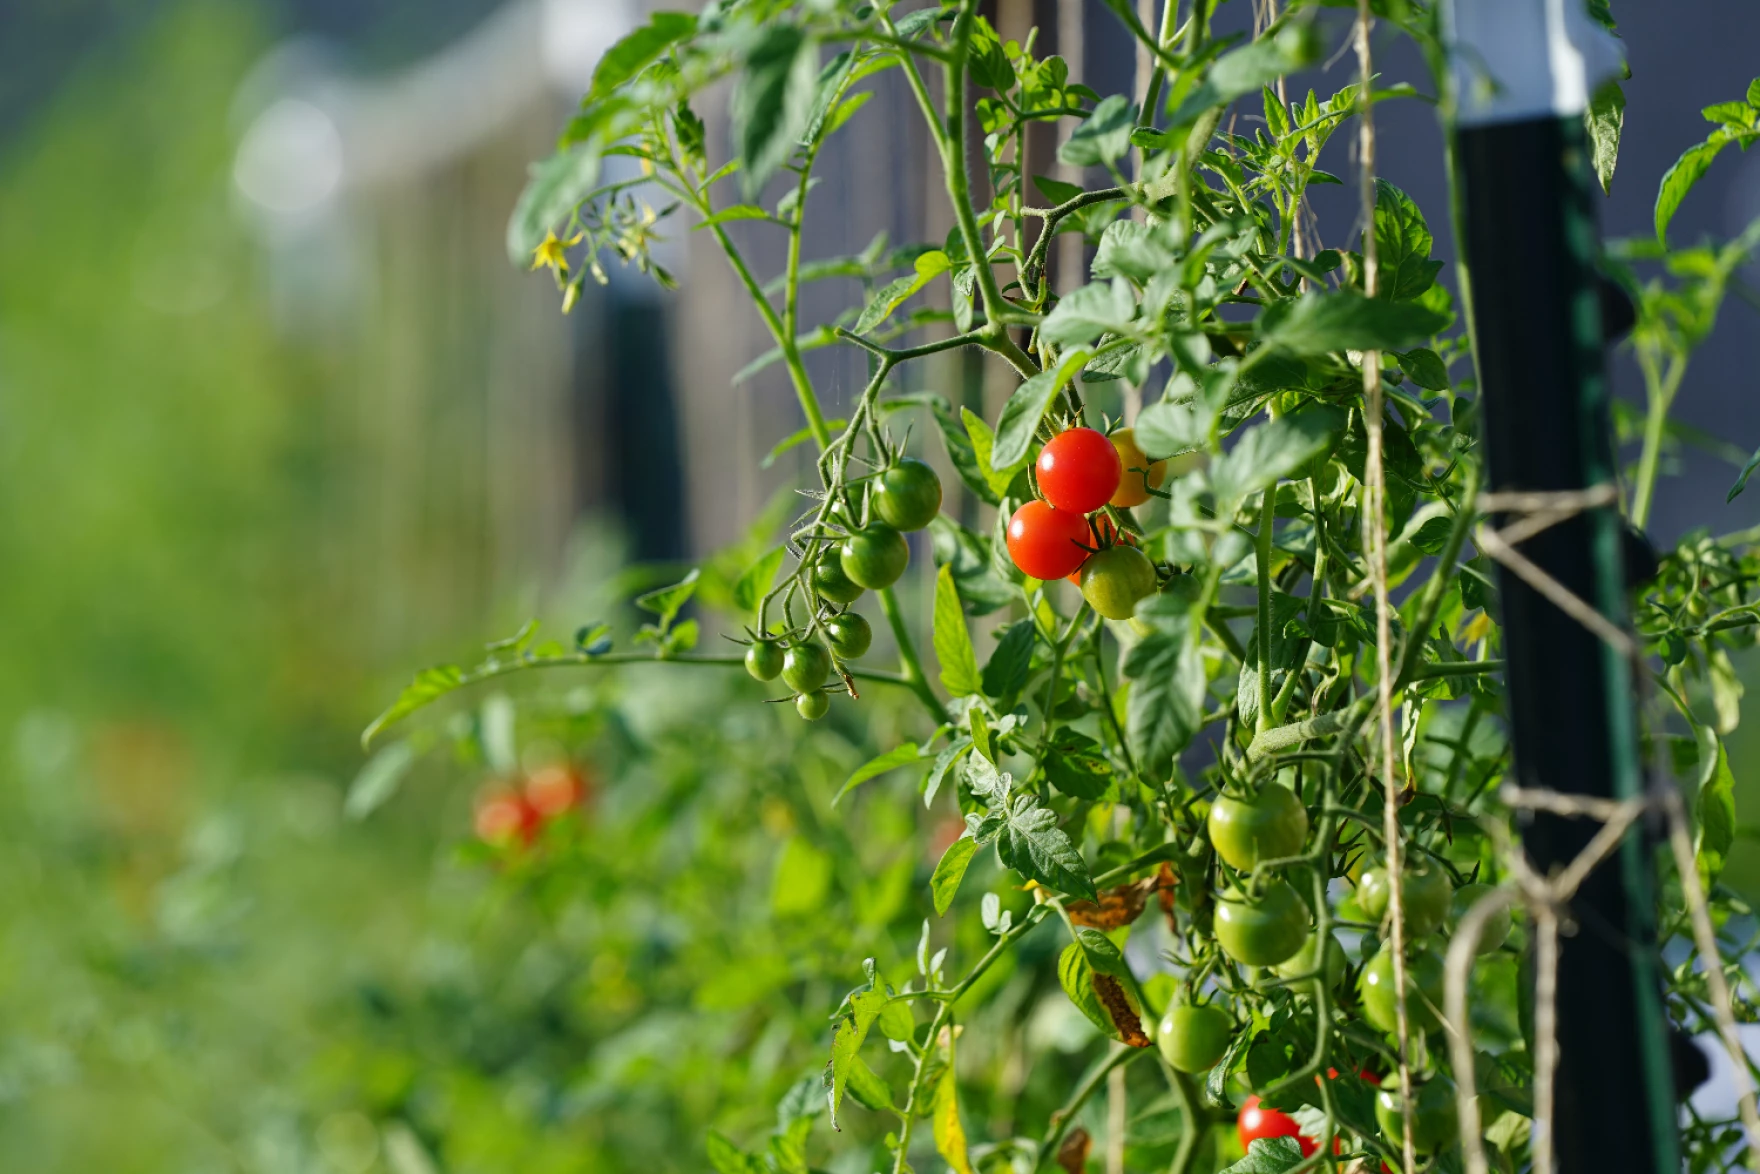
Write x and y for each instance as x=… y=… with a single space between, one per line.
x=950 y=1134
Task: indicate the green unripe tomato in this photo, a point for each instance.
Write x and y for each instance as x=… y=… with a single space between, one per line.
x=1496 y=930
x=804 y=667
x=831 y=583
x=813 y=705
x=1374 y=891
x=1116 y=579
x=1424 y=896
x=1304 y=962
x=764 y=660
x=1262 y=931
x=1194 y=1037
x=1434 y=1123
x=1268 y=826
x=850 y=634
x=874 y=556
x=1423 y=990
x=907 y=496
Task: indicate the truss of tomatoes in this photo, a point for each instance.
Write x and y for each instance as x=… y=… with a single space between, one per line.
x=1063 y=533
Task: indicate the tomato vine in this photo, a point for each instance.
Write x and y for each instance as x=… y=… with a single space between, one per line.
x=1198 y=725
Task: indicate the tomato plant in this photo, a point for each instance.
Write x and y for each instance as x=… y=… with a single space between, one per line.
x=1195 y=730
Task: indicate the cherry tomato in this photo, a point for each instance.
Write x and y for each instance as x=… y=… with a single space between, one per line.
x=552 y=790
x=1434 y=1123
x=813 y=705
x=1424 y=896
x=1423 y=990
x=1101 y=534
x=1496 y=930
x=1193 y=1037
x=1303 y=961
x=764 y=660
x=804 y=667
x=1046 y=542
x=1268 y=826
x=1078 y=470
x=1258 y=1122
x=831 y=583
x=907 y=496
x=1114 y=580
x=506 y=818
x=874 y=556
x=1133 y=487
x=850 y=634
x=1262 y=931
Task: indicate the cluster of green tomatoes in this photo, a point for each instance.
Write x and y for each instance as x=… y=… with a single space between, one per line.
x=871 y=556
x=1260 y=921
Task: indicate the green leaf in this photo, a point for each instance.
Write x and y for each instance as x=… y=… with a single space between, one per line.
x=888 y=298
x=1605 y=119
x=1268 y=1155
x=981 y=585
x=1678 y=180
x=378 y=780
x=846 y=1042
x=1266 y=454
x=1030 y=842
x=1089 y=312
x=555 y=189
x=638 y=50
x=666 y=601
x=774 y=101
x=752 y=586
x=1130 y=248
x=1402 y=245
x=867 y=1088
x=944 y=762
x=1006 y=672
x=1104 y=136
x=1165 y=705
x=982 y=442
x=953 y=643
x=728 y=1158
x=1424 y=367
x=898 y=756
x=950 y=872
x=1432 y=536
x=1742 y=479
x=1056 y=190
x=429 y=686
x=1714 y=811
x=1019 y=421
x=1247 y=69
x=1217 y=1081
x=1318 y=324
x=1077 y=766
x=731 y=213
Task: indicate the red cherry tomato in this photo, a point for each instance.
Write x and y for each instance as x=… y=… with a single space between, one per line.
x=1045 y=542
x=506 y=818
x=552 y=790
x=1256 y=1122
x=1079 y=470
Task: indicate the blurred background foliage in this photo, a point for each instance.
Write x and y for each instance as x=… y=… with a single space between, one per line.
x=206 y=561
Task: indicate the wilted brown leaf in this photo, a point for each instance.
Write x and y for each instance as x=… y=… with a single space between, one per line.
x=1119 y=1009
